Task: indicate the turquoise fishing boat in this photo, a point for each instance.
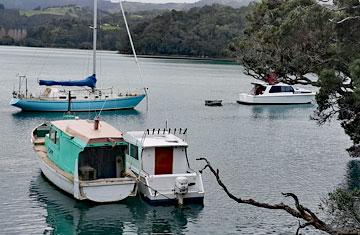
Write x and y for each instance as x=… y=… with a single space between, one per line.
x=85 y=158
x=86 y=97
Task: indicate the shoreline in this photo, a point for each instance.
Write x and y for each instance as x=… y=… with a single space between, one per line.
x=170 y=57
x=183 y=57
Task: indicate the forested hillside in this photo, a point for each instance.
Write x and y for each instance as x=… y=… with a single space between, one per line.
x=107 y=5
x=204 y=32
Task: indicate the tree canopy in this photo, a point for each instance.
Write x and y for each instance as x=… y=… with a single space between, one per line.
x=300 y=38
x=203 y=32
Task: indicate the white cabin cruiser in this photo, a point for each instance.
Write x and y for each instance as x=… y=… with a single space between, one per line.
x=280 y=93
x=160 y=161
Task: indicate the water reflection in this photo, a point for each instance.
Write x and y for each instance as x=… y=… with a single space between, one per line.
x=353 y=174
x=68 y=216
x=274 y=112
x=88 y=115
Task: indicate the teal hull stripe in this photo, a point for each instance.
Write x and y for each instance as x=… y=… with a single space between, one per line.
x=77 y=105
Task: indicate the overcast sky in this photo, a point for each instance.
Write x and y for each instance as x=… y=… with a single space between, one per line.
x=159 y=1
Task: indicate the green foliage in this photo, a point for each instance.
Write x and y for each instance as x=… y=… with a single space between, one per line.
x=290 y=37
x=355 y=72
x=203 y=32
x=297 y=38
x=343 y=204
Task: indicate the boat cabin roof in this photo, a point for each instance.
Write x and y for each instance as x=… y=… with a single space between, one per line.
x=156 y=140
x=84 y=130
x=260 y=83
x=267 y=84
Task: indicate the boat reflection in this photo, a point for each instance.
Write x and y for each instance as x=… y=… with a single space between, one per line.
x=59 y=115
x=68 y=216
x=275 y=112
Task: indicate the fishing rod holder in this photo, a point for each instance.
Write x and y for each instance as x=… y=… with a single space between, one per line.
x=163 y=131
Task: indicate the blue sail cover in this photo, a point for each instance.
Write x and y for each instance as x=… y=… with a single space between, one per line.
x=89 y=81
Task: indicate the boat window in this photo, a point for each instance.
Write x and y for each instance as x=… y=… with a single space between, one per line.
x=54 y=136
x=278 y=89
x=134 y=151
x=275 y=89
x=287 y=89
x=62 y=97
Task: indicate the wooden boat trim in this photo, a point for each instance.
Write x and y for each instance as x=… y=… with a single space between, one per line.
x=42 y=154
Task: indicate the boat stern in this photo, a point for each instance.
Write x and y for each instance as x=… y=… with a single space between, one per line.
x=108 y=190
x=164 y=189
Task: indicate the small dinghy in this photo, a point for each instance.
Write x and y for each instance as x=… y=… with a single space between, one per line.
x=213 y=102
x=85 y=158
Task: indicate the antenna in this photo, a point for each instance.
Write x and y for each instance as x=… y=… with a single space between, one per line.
x=94 y=37
x=69 y=103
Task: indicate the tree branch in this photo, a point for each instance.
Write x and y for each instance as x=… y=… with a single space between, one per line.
x=348 y=18
x=299 y=211
x=301 y=226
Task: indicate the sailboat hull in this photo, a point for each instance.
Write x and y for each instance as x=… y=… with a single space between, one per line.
x=127 y=102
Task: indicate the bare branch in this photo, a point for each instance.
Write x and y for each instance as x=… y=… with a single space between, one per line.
x=301 y=226
x=348 y=18
x=299 y=211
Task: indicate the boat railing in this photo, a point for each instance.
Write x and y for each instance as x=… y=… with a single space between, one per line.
x=179 y=132
x=22 y=91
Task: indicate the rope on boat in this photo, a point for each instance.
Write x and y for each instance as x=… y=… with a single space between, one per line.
x=131 y=42
x=102 y=108
x=135 y=56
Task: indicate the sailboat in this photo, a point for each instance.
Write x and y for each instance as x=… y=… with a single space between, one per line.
x=86 y=97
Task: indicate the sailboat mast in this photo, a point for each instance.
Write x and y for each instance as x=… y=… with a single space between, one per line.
x=94 y=36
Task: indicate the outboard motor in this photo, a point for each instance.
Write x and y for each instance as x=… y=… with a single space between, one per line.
x=181 y=188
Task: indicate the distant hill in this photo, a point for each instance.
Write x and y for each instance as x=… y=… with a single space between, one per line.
x=114 y=7
x=231 y=3
x=201 y=31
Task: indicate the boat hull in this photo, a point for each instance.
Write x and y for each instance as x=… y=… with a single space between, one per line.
x=102 y=191
x=301 y=98
x=213 y=102
x=128 y=102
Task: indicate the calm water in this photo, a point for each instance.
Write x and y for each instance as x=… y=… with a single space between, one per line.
x=261 y=151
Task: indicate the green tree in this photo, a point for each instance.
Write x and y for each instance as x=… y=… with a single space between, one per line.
x=298 y=38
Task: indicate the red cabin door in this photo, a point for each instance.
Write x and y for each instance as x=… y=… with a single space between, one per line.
x=163 y=160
